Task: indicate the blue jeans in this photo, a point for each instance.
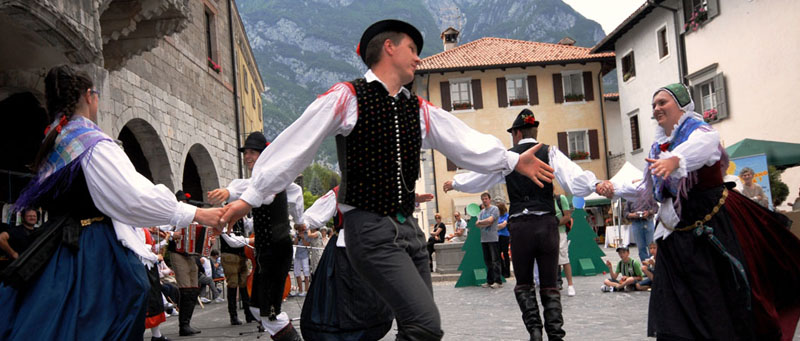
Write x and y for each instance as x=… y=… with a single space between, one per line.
x=643 y=236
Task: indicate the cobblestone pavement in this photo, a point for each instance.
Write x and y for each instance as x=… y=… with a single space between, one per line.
x=475 y=314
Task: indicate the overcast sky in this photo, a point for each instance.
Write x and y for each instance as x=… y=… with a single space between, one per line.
x=608 y=13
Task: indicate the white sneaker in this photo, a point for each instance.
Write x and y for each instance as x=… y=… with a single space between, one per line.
x=606 y=288
x=497 y=286
x=219 y=300
x=485 y=285
x=302 y=294
x=204 y=300
x=570 y=291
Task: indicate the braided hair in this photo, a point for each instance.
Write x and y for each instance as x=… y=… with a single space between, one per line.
x=63 y=87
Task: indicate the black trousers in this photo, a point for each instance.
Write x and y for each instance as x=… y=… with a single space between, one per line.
x=269 y=280
x=392 y=259
x=491 y=257
x=534 y=238
x=505 y=258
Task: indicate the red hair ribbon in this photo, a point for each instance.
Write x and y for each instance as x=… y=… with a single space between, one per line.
x=61 y=123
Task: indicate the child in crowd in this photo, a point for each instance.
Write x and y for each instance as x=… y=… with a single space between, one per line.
x=630 y=270
x=649 y=269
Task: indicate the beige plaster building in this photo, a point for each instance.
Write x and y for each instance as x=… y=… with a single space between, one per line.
x=487 y=82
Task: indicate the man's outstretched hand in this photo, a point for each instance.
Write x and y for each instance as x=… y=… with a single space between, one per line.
x=423 y=197
x=233 y=212
x=530 y=166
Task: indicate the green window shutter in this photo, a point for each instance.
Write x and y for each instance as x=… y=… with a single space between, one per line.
x=719 y=94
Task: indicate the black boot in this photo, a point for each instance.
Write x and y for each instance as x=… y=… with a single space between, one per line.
x=288 y=333
x=248 y=315
x=232 y=307
x=526 y=298
x=553 y=320
x=187 y=303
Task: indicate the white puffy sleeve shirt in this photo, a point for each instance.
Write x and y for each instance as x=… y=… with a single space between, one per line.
x=124 y=195
x=336 y=113
x=321 y=211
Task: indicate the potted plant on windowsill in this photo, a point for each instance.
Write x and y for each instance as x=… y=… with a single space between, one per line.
x=519 y=101
x=578 y=155
x=462 y=106
x=214 y=66
x=573 y=97
x=710 y=115
x=627 y=76
x=699 y=16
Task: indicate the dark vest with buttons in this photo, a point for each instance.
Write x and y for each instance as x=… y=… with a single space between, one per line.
x=271 y=223
x=387 y=131
x=523 y=192
x=238 y=228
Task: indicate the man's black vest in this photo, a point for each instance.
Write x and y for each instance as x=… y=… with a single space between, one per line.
x=238 y=228
x=271 y=223
x=523 y=192
x=369 y=157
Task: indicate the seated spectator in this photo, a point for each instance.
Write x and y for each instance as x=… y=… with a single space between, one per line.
x=438 y=232
x=216 y=267
x=16 y=239
x=649 y=269
x=752 y=189
x=204 y=281
x=459 y=234
x=628 y=273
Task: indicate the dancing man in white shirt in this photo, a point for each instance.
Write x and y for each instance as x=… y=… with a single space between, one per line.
x=380 y=126
x=532 y=223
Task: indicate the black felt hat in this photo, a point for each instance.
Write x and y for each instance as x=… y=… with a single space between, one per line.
x=389 y=25
x=182 y=196
x=525 y=119
x=255 y=141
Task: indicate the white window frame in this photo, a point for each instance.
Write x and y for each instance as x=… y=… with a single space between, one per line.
x=622 y=66
x=713 y=99
x=457 y=81
x=666 y=39
x=585 y=145
x=524 y=79
x=565 y=75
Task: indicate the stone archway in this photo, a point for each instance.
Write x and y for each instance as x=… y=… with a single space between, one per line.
x=143 y=146
x=199 y=173
x=22 y=123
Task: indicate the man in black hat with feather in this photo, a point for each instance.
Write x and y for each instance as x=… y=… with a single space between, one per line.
x=380 y=127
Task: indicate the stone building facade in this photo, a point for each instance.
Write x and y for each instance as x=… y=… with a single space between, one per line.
x=165 y=72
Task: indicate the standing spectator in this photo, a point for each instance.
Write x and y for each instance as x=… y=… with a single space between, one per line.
x=641 y=219
x=315 y=249
x=502 y=240
x=301 y=242
x=564 y=216
x=438 y=232
x=16 y=239
x=628 y=268
x=487 y=221
x=460 y=229
x=752 y=189
x=216 y=267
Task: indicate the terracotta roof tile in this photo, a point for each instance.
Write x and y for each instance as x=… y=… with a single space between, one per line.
x=500 y=52
x=611 y=95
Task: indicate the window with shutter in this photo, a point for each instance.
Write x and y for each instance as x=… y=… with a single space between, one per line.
x=578 y=145
x=573 y=86
x=709 y=97
x=461 y=94
x=517 y=91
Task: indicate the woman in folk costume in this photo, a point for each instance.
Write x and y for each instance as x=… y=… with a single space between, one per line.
x=91 y=284
x=728 y=269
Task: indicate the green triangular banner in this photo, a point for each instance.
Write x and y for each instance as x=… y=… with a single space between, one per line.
x=585 y=255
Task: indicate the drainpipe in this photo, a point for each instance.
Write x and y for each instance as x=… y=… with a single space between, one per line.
x=433 y=159
x=235 y=90
x=679 y=41
x=603 y=118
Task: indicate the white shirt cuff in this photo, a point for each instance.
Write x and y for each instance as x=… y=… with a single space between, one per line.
x=252 y=197
x=512 y=159
x=184 y=215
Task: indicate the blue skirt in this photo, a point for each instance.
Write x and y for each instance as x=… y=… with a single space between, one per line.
x=96 y=293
